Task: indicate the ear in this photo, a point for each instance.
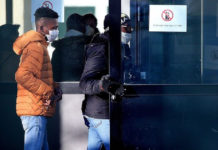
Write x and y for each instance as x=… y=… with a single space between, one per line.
x=41 y=28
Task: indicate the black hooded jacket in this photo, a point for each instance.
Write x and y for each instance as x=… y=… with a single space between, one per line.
x=68 y=58
x=96 y=103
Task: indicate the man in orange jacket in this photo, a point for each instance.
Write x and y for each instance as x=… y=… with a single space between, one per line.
x=37 y=94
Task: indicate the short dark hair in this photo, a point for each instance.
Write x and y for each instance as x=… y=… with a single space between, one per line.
x=45 y=12
x=88 y=17
x=75 y=21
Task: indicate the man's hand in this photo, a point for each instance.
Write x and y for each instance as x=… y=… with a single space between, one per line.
x=57 y=94
x=120 y=91
x=109 y=86
x=105 y=83
x=47 y=102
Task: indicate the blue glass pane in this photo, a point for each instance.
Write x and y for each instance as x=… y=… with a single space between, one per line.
x=172 y=57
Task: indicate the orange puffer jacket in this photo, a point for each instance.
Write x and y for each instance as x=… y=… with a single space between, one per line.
x=34 y=76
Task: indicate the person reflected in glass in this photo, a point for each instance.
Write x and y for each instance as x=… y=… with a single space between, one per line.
x=8 y=59
x=126 y=30
x=91 y=24
x=68 y=56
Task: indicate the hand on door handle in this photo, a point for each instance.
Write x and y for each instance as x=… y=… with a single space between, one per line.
x=120 y=90
x=118 y=94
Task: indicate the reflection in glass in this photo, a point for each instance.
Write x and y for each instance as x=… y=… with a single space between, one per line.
x=9 y=61
x=75 y=34
x=172 y=57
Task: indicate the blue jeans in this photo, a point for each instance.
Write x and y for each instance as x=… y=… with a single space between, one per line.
x=35 y=137
x=99 y=133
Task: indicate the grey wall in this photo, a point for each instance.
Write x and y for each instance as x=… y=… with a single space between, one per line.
x=73 y=132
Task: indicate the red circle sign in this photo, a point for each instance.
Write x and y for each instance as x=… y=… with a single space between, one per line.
x=167 y=15
x=47 y=4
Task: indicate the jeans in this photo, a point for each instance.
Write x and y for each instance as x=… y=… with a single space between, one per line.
x=99 y=133
x=35 y=137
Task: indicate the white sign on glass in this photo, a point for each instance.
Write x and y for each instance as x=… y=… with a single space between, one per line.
x=56 y=5
x=168 y=18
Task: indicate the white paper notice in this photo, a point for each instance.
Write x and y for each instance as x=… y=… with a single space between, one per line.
x=168 y=18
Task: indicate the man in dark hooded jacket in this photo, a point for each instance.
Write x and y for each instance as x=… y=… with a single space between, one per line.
x=96 y=84
x=68 y=57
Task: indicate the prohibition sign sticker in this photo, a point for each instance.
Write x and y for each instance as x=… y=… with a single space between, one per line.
x=167 y=15
x=47 y=4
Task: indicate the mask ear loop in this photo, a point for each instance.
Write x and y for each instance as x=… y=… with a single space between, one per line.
x=41 y=28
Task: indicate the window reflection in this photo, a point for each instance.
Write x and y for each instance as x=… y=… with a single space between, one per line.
x=22 y=16
x=171 y=57
x=9 y=61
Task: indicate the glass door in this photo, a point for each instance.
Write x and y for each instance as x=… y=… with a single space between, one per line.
x=180 y=50
x=167 y=61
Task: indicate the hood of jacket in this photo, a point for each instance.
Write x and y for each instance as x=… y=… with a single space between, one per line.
x=72 y=40
x=25 y=39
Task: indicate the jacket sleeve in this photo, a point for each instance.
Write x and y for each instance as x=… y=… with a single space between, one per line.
x=90 y=85
x=94 y=69
x=30 y=66
x=90 y=79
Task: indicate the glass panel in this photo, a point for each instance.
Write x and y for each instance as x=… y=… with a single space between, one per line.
x=15 y=21
x=169 y=122
x=70 y=10
x=68 y=56
x=170 y=57
x=210 y=26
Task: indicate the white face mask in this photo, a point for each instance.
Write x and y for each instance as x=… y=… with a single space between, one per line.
x=89 y=30
x=125 y=37
x=53 y=34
